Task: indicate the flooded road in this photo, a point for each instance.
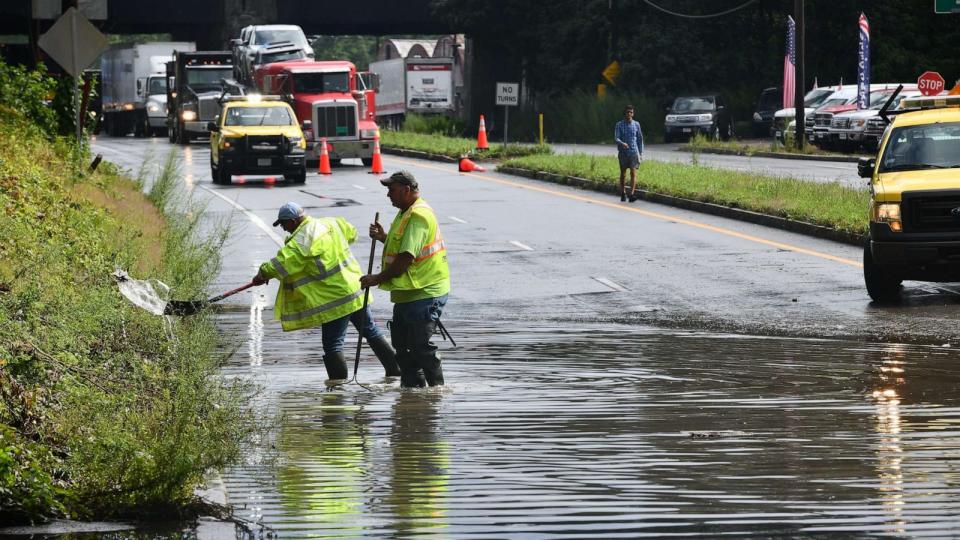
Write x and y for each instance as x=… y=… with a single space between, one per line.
x=605 y=431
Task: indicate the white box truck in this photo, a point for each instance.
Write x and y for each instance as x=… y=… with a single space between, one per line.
x=418 y=85
x=134 y=86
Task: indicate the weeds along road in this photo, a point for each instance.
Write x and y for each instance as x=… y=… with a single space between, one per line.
x=525 y=250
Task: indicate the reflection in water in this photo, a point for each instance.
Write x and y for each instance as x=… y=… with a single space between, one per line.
x=255 y=341
x=544 y=433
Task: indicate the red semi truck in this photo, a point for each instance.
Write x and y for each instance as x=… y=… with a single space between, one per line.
x=331 y=99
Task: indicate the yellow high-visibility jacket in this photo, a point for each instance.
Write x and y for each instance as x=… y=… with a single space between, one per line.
x=319 y=277
x=429 y=265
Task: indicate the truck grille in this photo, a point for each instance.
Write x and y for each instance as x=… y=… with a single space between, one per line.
x=335 y=121
x=265 y=144
x=931 y=212
x=209 y=108
x=822 y=119
x=875 y=127
x=841 y=123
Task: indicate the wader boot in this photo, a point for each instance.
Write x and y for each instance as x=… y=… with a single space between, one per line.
x=425 y=353
x=336 y=365
x=388 y=358
x=410 y=375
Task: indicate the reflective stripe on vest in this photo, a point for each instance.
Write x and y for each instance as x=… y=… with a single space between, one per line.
x=324 y=273
x=425 y=253
x=280 y=269
x=319 y=309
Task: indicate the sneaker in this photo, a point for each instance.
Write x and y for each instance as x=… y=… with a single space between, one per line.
x=623 y=196
x=634 y=197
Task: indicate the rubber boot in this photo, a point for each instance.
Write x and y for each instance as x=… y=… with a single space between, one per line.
x=336 y=365
x=425 y=354
x=388 y=358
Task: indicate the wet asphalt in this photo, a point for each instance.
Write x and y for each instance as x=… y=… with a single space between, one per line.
x=623 y=369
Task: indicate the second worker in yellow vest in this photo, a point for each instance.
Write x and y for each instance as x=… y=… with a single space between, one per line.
x=415 y=271
x=320 y=286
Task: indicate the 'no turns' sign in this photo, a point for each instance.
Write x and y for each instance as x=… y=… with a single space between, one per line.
x=508 y=94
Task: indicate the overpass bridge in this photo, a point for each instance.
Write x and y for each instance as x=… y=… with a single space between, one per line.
x=211 y=23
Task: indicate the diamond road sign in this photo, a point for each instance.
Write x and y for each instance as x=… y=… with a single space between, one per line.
x=946 y=6
x=73 y=42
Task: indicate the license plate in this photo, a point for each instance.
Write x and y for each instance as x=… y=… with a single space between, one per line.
x=842 y=136
x=686 y=130
x=818 y=135
x=777 y=134
x=264 y=162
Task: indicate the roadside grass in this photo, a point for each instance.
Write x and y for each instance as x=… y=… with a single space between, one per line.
x=829 y=204
x=700 y=142
x=455 y=147
x=105 y=410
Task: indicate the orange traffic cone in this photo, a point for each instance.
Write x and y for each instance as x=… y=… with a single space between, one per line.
x=377 y=166
x=468 y=166
x=324 y=158
x=482 y=136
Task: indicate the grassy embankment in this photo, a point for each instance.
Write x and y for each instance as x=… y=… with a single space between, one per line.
x=455 y=147
x=700 y=142
x=831 y=205
x=105 y=410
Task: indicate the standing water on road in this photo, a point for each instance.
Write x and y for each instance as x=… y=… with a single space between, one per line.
x=607 y=431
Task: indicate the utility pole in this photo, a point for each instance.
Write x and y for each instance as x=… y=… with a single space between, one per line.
x=799 y=84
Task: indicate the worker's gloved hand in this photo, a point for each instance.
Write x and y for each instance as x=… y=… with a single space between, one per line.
x=259 y=279
x=376 y=232
x=371 y=280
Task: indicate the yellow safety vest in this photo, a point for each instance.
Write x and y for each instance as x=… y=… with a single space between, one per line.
x=319 y=277
x=429 y=265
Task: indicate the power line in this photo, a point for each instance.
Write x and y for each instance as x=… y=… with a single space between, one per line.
x=687 y=16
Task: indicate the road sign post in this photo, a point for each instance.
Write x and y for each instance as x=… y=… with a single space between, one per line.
x=508 y=95
x=930 y=83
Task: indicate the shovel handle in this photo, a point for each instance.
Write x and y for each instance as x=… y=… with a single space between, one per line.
x=230 y=293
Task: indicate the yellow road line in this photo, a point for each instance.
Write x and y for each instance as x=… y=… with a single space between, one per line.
x=648 y=213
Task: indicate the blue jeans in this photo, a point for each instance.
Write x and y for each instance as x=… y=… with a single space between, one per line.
x=334 y=333
x=413 y=326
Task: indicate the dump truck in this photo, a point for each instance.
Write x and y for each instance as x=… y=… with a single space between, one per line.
x=196 y=81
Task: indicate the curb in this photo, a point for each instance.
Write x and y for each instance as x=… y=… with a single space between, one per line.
x=767 y=220
x=417 y=154
x=775 y=155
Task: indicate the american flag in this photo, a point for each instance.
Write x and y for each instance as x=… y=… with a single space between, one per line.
x=863 y=65
x=790 y=64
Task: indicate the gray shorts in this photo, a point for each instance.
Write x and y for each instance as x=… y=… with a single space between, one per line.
x=628 y=161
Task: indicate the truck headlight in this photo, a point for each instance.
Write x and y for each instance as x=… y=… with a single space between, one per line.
x=297 y=141
x=188 y=116
x=153 y=107
x=888 y=213
x=705 y=118
x=368 y=133
x=860 y=122
x=671 y=118
x=757 y=117
x=227 y=142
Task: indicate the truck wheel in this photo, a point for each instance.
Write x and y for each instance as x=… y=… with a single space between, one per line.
x=172 y=133
x=182 y=137
x=223 y=175
x=367 y=161
x=297 y=178
x=882 y=287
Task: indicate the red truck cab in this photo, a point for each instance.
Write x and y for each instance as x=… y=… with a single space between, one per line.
x=332 y=97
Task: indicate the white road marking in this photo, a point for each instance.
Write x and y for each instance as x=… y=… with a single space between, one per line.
x=253 y=217
x=359 y=187
x=609 y=283
x=458 y=220
x=521 y=246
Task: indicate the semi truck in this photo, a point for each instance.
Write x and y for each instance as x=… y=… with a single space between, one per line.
x=331 y=100
x=196 y=81
x=418 y=85
x=133 y=86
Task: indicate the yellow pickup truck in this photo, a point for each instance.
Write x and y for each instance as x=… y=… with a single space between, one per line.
x=256 y=135
x=915 y=198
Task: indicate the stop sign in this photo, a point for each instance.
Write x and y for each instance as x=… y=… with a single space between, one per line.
x=930 y=83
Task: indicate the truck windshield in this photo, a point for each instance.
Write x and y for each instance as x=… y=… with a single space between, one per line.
x=815 y=97
x=208 y=76
x=929 y=146
x=258 y=116
x=693 y=104
x=319 y=83
x=157 y=85
x=265 y=37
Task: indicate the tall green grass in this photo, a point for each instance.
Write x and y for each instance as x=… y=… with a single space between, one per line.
x=455 y=147
x=829 y=204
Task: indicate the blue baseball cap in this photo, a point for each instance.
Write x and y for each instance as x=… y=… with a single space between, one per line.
x=290 y=210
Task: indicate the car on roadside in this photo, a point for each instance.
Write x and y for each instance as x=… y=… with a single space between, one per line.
x=818 y=123
x=769 y=102
x=783 y=117
x=914 y=198
x=256 y=135
x=256 y=37
x=851 y=130
x=705 y=114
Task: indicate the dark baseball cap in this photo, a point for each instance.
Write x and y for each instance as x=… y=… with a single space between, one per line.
x=401 y=177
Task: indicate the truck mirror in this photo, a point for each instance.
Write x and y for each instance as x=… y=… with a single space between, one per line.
x=865 y=167
x=235 y=42
x=375 y=82
x=212 y=126
x=307 y=124
x=140 y=86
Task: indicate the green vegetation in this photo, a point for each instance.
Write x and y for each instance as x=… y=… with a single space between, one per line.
x=105 y=410
x=455 y=147
x=582 y=117
x=700 y=142
x=361 y=50
x=831 y=205
x=434 y=124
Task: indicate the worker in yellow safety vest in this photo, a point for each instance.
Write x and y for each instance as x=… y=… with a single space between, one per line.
x=414 y=269
x=320 y=286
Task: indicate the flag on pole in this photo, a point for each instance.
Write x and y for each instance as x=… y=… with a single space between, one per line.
x=790 y=65
x=863 y=65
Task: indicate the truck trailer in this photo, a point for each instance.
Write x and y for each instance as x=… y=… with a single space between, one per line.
x=133 y=86
x=417 y=85
x=196 y=81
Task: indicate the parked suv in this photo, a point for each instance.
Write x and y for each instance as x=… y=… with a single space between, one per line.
x=769 y=102
x=257 y=135
x=851 y=129
x=255 y=38
x=707 y=114
x=915 y=198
